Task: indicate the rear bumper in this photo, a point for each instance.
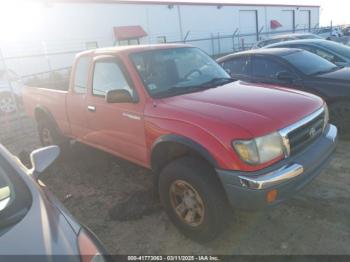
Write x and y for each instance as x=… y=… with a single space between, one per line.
x=248 y=190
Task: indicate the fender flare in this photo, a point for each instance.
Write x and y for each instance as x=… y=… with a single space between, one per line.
x=48 y=114
x=195 y=146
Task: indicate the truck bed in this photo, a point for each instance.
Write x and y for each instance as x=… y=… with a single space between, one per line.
x=50 y=100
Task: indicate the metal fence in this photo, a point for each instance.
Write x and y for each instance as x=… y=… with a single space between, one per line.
x=215 y=44
x=227 y=43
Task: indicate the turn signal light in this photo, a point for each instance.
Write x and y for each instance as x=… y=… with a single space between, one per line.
x=271 y=196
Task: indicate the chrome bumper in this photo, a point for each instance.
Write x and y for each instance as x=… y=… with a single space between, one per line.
x=281 y=175
x=271 y=179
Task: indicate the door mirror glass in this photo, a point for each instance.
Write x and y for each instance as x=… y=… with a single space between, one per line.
x=285 y=77
x=119 y=96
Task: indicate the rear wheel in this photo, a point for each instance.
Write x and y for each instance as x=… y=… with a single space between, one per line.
x=194 y=199
x=340 y=117
x=49 y=135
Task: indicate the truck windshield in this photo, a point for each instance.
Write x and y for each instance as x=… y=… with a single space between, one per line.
x=309 y=63
x=174 y=71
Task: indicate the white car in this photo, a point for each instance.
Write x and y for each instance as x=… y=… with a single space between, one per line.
x=10 y=91
x=329 y=33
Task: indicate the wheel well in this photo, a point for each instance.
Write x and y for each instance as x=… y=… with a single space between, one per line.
x=40 y=114
x=165 y=152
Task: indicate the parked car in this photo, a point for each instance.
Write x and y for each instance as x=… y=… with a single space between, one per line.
x=10 y=91
x=336 y=53
x=297 y=69
x=282 y=38
x=33 y=221
x=329 y=33
x=209 y=141
x=346 y=31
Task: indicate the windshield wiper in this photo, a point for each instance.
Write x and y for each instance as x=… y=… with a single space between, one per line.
x=215 y=82
x=177 y=90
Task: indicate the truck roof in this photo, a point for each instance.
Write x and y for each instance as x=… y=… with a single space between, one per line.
x=131 y=49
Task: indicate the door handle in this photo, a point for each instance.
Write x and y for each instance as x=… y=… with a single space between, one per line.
x=91 y=108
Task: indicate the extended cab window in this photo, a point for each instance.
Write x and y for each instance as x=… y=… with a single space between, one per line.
x=81 y=75
x=109 y=76
x=262 y=67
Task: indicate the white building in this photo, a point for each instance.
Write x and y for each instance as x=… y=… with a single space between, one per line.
x=69 y=26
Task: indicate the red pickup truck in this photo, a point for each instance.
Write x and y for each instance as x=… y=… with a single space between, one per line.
x=210 y=141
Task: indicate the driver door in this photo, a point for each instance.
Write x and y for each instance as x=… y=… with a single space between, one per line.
x=117 y=128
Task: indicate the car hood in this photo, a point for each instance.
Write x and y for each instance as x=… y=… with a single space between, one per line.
x=341 y=74
x=257 y=108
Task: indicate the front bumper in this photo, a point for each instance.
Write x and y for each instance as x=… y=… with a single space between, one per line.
x=248 y=190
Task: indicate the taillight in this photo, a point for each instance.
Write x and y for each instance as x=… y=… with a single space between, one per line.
x=88 y=250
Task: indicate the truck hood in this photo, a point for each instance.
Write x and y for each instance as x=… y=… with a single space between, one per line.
x=257 y=108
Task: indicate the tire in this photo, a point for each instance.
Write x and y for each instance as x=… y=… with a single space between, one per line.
x=202 y=180
x=7 y=104
x=49 y=135
x=340 y=117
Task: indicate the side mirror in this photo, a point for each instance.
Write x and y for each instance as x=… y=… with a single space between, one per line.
x=119 y=96
x=42 y=158
x=285 y=77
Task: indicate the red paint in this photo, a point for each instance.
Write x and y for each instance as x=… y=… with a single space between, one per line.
x=213 y=118
x=275 y=24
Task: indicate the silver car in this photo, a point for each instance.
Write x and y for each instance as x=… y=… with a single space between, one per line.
x=10 y=91
x=283 y=38
x=33 y=221
x=336 y=53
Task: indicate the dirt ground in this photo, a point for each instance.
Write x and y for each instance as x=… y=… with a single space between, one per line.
x=92 y=185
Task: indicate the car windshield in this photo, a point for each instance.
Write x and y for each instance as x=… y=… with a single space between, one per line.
x=15 y=197
x=174 y=71
x=340 y=49
x=309 y=63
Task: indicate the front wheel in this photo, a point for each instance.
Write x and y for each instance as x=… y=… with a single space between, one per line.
x=340 y=117
x=194 y=199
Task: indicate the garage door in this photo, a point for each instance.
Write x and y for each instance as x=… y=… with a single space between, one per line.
x=248 y=21
x=304 y=20
x=288 y=20
x=248 y=25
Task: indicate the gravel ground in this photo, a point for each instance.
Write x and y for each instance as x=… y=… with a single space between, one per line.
x=112 y=197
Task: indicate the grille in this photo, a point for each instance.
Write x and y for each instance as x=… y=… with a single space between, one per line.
x=305 y=134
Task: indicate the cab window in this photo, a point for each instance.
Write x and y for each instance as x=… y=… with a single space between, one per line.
x=108 y=75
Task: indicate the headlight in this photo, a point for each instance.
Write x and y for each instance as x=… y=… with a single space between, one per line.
x=326 y=116
x=260 y=150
